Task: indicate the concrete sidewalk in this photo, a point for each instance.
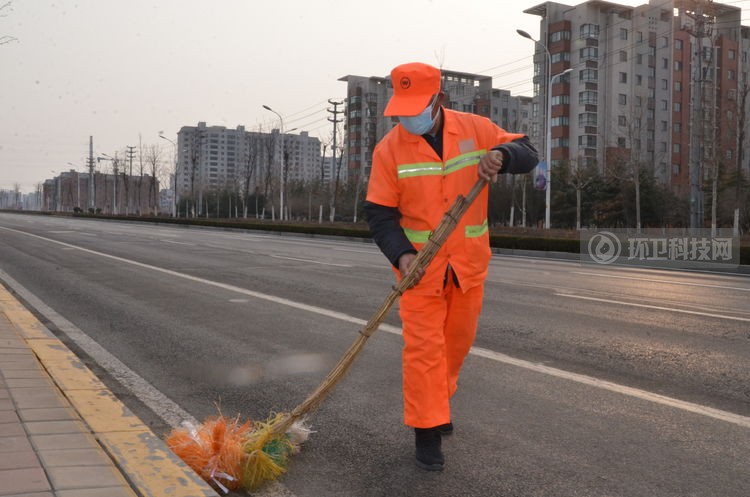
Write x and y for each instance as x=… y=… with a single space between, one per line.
x=64 y=434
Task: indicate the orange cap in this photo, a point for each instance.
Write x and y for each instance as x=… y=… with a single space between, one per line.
x=414 y=84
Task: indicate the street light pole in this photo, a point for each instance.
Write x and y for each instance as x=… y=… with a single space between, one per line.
x=114 y=188
x=174 y=146
x=281 y=196
x=548 y=122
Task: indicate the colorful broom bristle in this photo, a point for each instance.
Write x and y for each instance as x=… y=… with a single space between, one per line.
x=215 y=449
x=267 y=454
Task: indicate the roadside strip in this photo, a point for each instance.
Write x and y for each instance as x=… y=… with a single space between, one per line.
x=146 y=462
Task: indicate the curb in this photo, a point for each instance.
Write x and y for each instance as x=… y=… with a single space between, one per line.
x=143 y=459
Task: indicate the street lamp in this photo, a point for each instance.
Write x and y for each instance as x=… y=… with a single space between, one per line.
x=114 y=161
x=281 y=196
x=174 y=146
x=548 y=119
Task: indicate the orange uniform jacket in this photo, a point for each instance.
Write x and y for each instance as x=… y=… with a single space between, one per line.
x=408 y=174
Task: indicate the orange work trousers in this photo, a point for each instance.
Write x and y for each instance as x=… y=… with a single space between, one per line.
x=438 y=332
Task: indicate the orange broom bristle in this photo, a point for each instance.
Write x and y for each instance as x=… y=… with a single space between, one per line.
x=214 y=450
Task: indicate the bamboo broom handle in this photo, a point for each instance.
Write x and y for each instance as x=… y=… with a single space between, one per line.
x=424 y=257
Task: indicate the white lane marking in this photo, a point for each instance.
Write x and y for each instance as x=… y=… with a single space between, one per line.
x=57 y=232
x=178 y=243
x=729 y=417
x=239 y=301
x=710 y=412
x=654 y=280
x=357 y=251
x=162 y=405
x=655 y=307
x=310 y=261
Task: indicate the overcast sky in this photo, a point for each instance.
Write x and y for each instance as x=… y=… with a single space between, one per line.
x=118 y=70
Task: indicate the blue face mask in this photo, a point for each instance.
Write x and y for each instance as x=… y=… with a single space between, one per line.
x=419 y=124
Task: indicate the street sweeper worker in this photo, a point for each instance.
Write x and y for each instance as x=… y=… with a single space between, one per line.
x=419 y=168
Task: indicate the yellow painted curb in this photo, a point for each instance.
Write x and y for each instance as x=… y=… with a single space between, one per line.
x=143 y=458
x=152 y=467
x=25 y=322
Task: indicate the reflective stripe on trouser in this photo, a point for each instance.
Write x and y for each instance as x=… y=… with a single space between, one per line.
x=438 y=333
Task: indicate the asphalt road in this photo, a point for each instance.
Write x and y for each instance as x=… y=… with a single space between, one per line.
x=585 y=380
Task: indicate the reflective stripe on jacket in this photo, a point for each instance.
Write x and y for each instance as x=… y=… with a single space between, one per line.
x=409 y=175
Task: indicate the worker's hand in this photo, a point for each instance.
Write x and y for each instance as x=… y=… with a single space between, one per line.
x=490 y=165
x=406 y=266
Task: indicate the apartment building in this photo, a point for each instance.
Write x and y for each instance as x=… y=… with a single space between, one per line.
x=212 y=158
x=367 y=97
x=630 y=93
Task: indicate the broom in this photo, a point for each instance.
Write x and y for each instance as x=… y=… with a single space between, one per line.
x=268 y=446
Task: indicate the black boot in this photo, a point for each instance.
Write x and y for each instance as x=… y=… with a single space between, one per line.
x=429 y=455
x=446 y=429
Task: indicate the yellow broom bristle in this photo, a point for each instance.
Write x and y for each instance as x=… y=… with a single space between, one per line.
x=267 y=454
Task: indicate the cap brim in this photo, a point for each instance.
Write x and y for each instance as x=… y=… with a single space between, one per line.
x=412 y=105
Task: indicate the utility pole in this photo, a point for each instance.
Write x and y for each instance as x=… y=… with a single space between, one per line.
x=126 y=180
x=334 y=169
x=92 y=203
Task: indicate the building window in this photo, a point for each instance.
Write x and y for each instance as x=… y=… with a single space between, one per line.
x=589 y=31
x=639 y=36
x=664 y=125
x=559 y=36
x=678 y=44
x=561 y=100
x=662 y=146
x=589 y=53
x=638 y=80
x=623 y=56
x=621 y=142
x=639 y=59
x=588 y=75
x=560 y=121
x=677 y=128
x=730 y=75
x=622 y=99
x=560 y=57
x=587 y=141
x=731 y=54
x=664 y=105
x=676 y=148
x=587 y=119
x=678 y=65
x=587 y=97
x=664 y=84
x=677 y=107
x=623 y=77
x=622 y=121
x=677 y=86
x=623 y=33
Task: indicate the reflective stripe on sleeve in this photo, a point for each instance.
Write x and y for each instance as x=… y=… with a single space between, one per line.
x=417 y=236
x=464 y=160
x=476 y=230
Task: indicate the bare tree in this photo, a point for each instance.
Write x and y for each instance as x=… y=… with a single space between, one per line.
x=270 y=149
x=153 y=161
x=629 y=166
x=580 y=178
x=4 y=8
x=252 y=154
x=742 y=124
